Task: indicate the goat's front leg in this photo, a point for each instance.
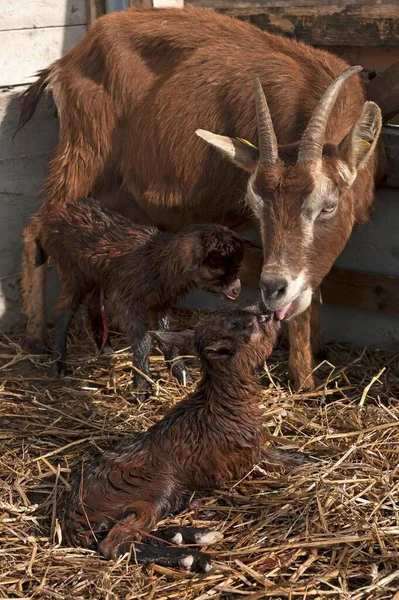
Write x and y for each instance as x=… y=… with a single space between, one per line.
x=140 y=343
x=96 y=317
x=316 y=334
x=67 y=304
x=171 y=353
x=126 y=536
x=33 y=290
x=300 y=363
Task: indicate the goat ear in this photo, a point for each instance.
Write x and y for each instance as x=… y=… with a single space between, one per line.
x=220 y=350
x=242 y=153
x=196 y=258
x=183 y=340
x=358 y=146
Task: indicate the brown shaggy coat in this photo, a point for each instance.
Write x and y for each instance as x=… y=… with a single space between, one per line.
x=130 y=97
x=213 y=436
x=143 y=270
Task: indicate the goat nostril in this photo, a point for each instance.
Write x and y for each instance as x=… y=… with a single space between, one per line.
x=274 y=288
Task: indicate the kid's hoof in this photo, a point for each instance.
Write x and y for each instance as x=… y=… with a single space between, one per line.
x=166 y=556
x=108 y=350
x=142 y=392
x=199 y=536
x=36 y=346
x=58 y=370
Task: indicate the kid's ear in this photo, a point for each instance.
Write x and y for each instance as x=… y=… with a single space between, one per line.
x=220 y=350
x=196 y=258
x=183 y=340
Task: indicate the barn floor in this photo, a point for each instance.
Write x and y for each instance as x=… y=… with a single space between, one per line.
x=329 y=530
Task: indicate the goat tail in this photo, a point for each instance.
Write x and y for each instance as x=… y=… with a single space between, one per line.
x=31 y=97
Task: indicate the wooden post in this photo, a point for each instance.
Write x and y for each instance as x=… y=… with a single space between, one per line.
x=94 y=9
x=168 y=3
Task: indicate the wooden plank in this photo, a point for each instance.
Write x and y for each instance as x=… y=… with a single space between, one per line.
x=41 y=13
x=168 y=3
x=25 y=51
x=229 y=5
x=372 y=25
x=362 y=290
x=94 y=9
x=384 y=90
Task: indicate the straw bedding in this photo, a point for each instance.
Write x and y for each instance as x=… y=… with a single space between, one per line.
x=328 y=530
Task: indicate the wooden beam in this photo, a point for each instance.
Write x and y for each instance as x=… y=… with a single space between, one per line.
x=94 y=9
x=228 y=5
x=140 y=3
x=362 y=290
x=349 y=25
x=384 y=90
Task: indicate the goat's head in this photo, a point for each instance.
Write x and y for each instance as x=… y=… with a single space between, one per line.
x=302 y=195
x=213 y=256
x=235 y=340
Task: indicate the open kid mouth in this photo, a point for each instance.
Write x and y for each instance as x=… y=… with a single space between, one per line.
x=228 y=295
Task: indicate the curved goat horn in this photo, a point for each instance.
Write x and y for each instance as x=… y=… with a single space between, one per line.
x=267 y=141
x=311 y=146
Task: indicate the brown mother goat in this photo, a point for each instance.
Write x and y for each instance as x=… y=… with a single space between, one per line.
x=130 y=97
x=143 y=271
x=215 y=435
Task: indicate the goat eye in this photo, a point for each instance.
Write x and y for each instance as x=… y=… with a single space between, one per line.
x=213 y=271
x=327 y=211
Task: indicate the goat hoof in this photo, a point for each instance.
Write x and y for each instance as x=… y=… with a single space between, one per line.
x=208 y=537
x=301 y=383
x=196 y=561
x=36 y=346
x=142 y=392
x=191 y=560
x=200 y=536
x=108 y=350
x=58 y=370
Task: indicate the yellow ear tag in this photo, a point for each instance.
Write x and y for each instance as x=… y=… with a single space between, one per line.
x=245 y=142
x=362 y=145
